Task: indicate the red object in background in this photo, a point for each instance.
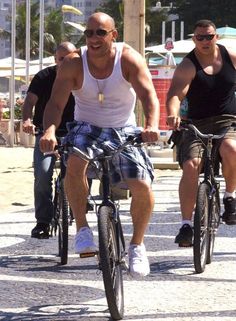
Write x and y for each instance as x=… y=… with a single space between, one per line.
x=169 y=45
x=161 y=79
x=162 y=87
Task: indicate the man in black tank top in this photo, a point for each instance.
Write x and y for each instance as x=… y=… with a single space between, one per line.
x=206 y=77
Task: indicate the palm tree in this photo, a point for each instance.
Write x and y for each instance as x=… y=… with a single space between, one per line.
x=53 y=34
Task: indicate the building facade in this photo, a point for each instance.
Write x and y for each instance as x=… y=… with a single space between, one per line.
x=5 y=44
x=87 y=7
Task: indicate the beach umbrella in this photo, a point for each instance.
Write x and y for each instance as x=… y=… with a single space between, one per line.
x=226 y=32
x=6 y=63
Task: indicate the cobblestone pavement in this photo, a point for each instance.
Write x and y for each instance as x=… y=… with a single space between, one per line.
x=35 y=287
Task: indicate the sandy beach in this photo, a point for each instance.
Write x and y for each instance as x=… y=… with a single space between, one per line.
x=16 y=178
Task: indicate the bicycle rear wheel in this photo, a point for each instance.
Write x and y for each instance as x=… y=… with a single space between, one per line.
x=213 y=223
x=201 y=233
x=111 y=262
x=62 y=212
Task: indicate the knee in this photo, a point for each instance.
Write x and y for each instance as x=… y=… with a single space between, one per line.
x=140 y=188
x=191 y=168
x=76 y=167
x=228 y=152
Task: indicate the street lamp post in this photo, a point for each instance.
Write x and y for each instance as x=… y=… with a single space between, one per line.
x=12 y=79
x=41 y=34
x=27 y=42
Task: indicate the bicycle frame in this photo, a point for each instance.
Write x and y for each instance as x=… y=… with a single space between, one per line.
x=208 y=165
x=207 y=209
x=107 y=201
x=111 y=239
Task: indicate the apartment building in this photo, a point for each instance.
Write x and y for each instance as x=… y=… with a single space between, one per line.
x=86 y=6
x=5 y=44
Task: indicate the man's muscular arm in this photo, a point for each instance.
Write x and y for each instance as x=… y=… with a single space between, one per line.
x=62 y=87
x=136 y=72
x=180 y=83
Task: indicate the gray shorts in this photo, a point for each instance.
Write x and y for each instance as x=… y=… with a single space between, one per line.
x=190 y=147
x=132 y=163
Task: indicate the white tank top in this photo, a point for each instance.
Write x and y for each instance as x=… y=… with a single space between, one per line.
x=117 y=108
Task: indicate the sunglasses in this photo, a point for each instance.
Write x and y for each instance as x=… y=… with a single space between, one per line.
x=99 y=32
x=202 y=37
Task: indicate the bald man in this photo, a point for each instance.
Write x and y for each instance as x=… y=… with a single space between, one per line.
x=105 y=77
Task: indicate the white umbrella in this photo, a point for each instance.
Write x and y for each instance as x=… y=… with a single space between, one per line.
x=19 y=72
x=47 y=61
x=226 y=32
x=5 y=63
x=228 y=42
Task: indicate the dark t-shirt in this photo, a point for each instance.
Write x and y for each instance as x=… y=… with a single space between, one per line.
x=41 y=85
x=212 y=95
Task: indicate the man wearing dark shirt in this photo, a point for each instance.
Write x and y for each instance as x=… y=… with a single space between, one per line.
x=38 y=94
x=206 y=76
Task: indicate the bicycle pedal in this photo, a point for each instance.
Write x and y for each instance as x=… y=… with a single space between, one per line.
x=89 y=254
x=125 y=267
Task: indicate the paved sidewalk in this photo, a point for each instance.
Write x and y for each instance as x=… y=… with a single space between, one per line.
x=35 y=287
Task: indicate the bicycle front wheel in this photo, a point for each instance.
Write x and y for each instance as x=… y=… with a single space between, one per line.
x=111 y=262
x=201 y=234
x=63 y=223
x=213 y=223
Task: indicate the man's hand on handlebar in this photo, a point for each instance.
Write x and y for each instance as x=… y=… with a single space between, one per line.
x=28 y=127
x=173 y=122
x=48 y=142
x=150 y=134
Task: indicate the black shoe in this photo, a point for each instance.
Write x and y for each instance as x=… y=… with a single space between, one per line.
x=185 y=236
x=41 y=231
x=229 y=215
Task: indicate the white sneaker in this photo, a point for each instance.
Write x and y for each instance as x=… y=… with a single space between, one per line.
x=84 y=241
x=138 y=261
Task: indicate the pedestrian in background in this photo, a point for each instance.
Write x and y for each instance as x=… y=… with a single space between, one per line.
x=33 y=109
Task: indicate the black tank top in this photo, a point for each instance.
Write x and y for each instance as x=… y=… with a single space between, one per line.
x=212 y=95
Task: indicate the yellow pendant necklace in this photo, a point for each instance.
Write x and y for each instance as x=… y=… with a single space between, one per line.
x=101 y=96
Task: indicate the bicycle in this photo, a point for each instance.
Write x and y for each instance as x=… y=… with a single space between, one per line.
x=111 y=254
x=62 y=214
x=207 y=210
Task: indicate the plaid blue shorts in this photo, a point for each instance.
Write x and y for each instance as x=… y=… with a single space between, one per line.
x=131 y=163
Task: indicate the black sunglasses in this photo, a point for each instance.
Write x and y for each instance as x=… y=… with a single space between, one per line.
x=202 y=37
x=99 y=32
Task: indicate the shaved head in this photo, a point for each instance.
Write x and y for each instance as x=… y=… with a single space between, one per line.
x=67 y=46
x=103 y=18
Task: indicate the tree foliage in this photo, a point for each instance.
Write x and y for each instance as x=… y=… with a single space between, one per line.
x=116 y=10
x=54 y=33
x=222 y=13
x=153 y=19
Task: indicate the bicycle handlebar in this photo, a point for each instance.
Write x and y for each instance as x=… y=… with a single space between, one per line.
x=189 y=126
x=106 y=151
